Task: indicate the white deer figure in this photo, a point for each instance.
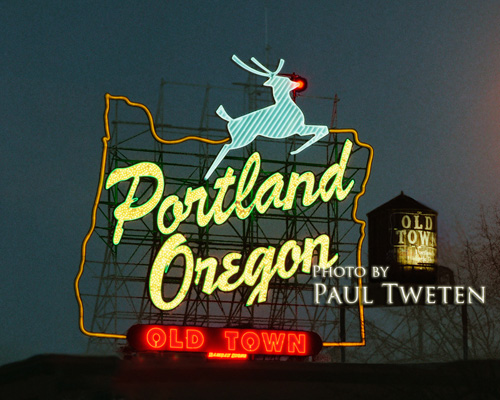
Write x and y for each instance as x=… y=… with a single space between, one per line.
x=279 y=120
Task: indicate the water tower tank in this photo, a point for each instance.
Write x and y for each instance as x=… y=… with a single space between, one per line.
x=402 y=234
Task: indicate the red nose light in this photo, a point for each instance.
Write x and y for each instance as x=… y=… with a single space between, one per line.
x=300 y=85
x=300 y=81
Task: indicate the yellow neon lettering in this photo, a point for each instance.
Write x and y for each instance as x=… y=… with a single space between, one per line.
x=342 y=193
x=222 y=184
x=326 y=194
x=288 y=246
x=231 y=269
x=178 y=215
x=295 y=180
x=250 y=275
x=272 y=187
x=172 y=248
x=198 y=195
x=309 y=245
x=267 y=271
x=243 y=191
x=210 y=264
x=125 y=211
x=275 y=182
x=258 y=264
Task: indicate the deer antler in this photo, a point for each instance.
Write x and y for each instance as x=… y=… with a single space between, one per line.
x=249 y=69
x=256 y=62
x=267 y=72
x=281 y=63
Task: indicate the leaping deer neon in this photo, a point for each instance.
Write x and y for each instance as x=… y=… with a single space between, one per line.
x=280 y=120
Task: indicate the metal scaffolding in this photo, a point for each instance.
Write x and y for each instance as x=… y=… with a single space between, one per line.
x=115 y=290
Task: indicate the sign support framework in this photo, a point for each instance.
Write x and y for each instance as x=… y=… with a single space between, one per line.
x=121 y=294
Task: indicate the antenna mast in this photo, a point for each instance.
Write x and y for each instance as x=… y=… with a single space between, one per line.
x=267 y=47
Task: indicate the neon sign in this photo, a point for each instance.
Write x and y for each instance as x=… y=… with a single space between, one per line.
x=260 y=263
x=330 y=185
x=235 y=193
x=223 y=342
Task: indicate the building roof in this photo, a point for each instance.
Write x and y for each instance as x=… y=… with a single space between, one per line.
x=402 y=202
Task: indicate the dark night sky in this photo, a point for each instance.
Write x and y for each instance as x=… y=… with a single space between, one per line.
x=420 y=81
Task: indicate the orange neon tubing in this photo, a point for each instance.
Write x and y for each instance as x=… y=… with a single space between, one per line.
x=362 y=227
x=106 y=138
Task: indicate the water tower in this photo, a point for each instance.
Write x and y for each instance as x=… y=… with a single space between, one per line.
x=402 y=234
